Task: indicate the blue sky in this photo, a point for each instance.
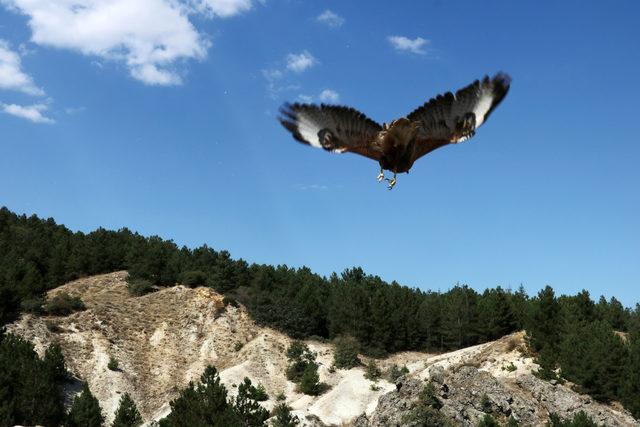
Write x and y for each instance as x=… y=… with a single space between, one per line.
x=159 y=116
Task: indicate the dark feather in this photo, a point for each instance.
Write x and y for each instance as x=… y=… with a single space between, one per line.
x=332 y=127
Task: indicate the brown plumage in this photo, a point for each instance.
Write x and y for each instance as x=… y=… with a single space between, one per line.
x=445 y=119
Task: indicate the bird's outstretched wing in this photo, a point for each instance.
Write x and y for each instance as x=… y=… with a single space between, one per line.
x=334 y=128
x=451 y=118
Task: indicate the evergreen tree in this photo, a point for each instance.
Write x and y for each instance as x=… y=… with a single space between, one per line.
x=496 y=314
x=460 y=322
x=85 y=410
x=250 y=412
x=54 y=362
x=631 y=374
x=345 y=352
x=544 y=321
x=595 y=359
x=310 y=381
x=283 y=417
x=29 y=392
x=204 y=405
x=127 y=414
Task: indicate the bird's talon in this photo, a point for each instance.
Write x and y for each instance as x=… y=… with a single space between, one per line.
x=392 y=183
x=381 y=177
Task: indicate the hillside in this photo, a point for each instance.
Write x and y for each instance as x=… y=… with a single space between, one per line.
x=165 y=339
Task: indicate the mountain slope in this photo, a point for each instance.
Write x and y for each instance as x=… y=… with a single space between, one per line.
x=165 y=339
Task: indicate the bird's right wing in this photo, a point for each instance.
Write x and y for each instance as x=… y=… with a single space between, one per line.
x=451 y=118
x=333 y=128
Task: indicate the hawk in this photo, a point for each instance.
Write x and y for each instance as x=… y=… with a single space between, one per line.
x=445 y=119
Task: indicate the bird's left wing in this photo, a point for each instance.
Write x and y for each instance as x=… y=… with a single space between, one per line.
x=451 y=118
x=333 y=128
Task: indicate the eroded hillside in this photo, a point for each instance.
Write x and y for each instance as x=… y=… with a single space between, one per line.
x=165 y=339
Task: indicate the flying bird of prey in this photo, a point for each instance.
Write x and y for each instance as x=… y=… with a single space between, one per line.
x=445 y=119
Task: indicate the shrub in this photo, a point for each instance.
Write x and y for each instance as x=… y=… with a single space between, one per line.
x=426 y=411
x=52 y=326
x=510 y=367
x=346 y=350
x=113 y=364
x=281 y=396
x=260 y=394
x=580 y=419
x=394 y=372
x=238 y=346
x=488 y=421
x=139 y=287
x=428 y=397
x=300 y=357
x=372 y=371
x=485 y=402
x=374 y=387
x=32 y=305
x=63 y=304
x=193 y=278
x=230 y=301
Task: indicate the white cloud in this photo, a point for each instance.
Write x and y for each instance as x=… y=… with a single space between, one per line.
x=151 y=37
x=74 y=110
x=30 y=112
x=329 y=95
x=305 y=98
x=402 y=43
x=330 y=18
x=272 y=74
x=11 y=75
x=222 y=8
x=311 y=187
x=298 y=62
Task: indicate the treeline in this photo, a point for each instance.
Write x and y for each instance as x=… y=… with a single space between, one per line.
x=585 y=343
x=37 y=255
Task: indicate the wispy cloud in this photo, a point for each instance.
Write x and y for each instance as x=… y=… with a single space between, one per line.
x=402 y=43
x=311 y=187
x=153 y=38
x=329 y=95
x=11 y=75
x=330 y=18
x=32 y=113
x=278 y=78
x=299 y=62
x=74 y=110
x=222 y=8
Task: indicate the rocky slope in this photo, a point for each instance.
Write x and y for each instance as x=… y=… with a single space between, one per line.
x=165 y=339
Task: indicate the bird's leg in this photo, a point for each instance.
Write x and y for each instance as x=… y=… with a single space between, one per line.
x=392 y=181
x=381 y=176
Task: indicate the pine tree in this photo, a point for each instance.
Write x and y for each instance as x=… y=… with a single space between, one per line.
x=631 y=383
x=250 y=412
x=54 y=362
x=310 y=381
x=85 y=410
x=204 y=405
x=283 y=417
x=127 y=414
x=544 y=327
